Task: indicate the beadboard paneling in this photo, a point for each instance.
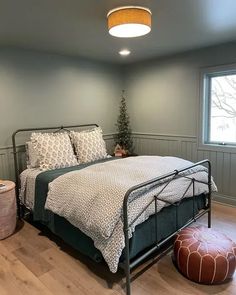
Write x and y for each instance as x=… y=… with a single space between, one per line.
x=155 y=145
x=110 y=143
x=7 y=162
x=223 y=163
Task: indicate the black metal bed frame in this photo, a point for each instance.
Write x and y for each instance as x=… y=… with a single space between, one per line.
x=164 y=179
x=16 y=163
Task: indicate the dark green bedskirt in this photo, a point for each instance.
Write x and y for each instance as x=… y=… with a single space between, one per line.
x=144 y=235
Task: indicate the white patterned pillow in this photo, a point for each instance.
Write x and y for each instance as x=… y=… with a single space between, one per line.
x=89 y=145
x=54 y=150
x=32 y=157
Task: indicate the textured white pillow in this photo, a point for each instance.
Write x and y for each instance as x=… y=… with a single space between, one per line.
x=54 y=150
x=32 y=157
x=89 y=145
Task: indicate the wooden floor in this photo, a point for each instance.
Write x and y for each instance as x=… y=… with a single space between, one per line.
x=32 y=263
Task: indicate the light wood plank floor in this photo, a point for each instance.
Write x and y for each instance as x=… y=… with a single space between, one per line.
x=32 y=263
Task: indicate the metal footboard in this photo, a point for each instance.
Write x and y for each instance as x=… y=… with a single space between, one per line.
x=166 y=179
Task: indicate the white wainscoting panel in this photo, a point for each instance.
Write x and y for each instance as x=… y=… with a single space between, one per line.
x=4 y=164
x=223 y=163
x=110 y=143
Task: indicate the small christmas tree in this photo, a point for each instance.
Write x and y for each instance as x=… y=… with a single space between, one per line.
x=123 y=138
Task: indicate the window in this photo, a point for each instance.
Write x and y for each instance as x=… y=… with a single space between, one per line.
x=219 y=107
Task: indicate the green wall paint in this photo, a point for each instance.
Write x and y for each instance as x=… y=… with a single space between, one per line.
x=39 y=89
x=163 y=94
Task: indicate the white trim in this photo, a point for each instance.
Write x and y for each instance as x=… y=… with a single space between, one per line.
x=202 y=145
x=109 y=134
x=163 y=135
x=219 y=69
x=217 y=148
x=224 y=199
x=10 y=147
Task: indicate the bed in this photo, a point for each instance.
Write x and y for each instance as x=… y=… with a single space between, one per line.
x=146 y=237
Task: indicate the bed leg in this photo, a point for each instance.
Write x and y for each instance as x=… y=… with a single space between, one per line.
x=209 y=218
x=127 y=264
x=209 y=194
x=128 y=288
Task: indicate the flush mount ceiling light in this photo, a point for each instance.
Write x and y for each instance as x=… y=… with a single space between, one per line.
x=129 y=21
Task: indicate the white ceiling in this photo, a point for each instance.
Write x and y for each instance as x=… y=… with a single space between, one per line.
x=78 y=27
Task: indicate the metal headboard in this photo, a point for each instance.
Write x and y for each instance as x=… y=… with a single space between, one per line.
x=16 y=160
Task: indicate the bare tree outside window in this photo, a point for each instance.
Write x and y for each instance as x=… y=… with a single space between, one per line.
x=223 y=109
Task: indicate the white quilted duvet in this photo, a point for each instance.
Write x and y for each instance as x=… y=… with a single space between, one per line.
x=92 y=198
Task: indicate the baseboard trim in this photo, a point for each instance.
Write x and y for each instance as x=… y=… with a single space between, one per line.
x=223 y=199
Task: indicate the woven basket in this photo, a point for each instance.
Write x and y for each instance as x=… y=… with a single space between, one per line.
x=7 y=210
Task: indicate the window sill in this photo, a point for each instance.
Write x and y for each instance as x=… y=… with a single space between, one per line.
x=217 y=147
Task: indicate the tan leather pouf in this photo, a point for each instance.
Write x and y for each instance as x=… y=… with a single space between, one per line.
x=7 y=209
x=204 y=255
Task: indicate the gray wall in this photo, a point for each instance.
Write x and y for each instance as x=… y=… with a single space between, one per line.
x=164 y=93
x=39 y=89
x=163 y=98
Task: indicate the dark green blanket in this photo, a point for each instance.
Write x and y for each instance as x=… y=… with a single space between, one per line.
x=143 y=237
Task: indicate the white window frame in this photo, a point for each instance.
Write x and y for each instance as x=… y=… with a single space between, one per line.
x=205 y=74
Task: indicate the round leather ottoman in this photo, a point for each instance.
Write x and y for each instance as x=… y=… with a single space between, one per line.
x=204 y=255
